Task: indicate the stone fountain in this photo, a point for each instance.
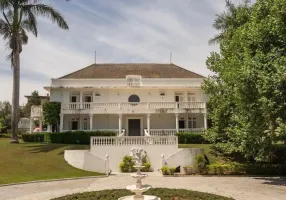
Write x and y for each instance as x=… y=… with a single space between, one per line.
x=138 y=188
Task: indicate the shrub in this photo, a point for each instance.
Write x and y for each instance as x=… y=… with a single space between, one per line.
x=249 y=169
x=34 y=137
x=76 y=137
x=168 y=170
x=127 y=165
x=191 y=138
x=147 y=167
x=201 y=162
x=163 y=193
x=189 y=170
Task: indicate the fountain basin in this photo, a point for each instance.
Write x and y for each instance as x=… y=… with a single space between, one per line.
x=139 y=176
x=133 y=188
x=145 y=197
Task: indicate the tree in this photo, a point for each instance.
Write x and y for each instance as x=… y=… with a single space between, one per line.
x=51 y=113
x=5 y=113
x=19 y=17
x=232 y=18
x=247 y=92
x=33 y=100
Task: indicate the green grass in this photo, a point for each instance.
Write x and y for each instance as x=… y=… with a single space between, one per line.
x=163 y=193
x=207 y=150
x=35 y=161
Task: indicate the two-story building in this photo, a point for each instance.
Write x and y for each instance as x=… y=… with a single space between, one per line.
x=132 y=99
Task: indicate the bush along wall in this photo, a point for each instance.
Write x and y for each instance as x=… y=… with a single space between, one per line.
x=77 y=137
x=191 y=138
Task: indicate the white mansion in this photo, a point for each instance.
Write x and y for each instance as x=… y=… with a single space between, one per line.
x=131 y=99
x=145 y=104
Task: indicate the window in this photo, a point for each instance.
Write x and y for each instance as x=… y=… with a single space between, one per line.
x=73 y=99
x=133 y=81
x=87 y=98
x=133 y=98
x=191 y=97
x=179 y=97
x=85 y=124
x=192 y=122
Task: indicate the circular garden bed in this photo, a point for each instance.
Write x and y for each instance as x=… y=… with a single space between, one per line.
x=163 y=193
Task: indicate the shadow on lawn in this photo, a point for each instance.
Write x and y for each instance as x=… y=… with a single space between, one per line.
x=281 y=181
x=45 y=148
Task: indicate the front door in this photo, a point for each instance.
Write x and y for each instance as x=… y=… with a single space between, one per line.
x=181 y=124
x=74 y=125
x=134 y=127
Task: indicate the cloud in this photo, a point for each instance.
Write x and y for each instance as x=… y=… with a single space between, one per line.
x=120 y=31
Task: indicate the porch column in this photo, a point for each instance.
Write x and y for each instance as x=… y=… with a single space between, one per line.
x=61 y=122
x=148 y=123
x=177 y=122
x=120 y=123
x=205 y=121
x=49 y=128
x=90 y=121
x=186 y=121
x=31 y=125
x=80 y=123
x=41 y=125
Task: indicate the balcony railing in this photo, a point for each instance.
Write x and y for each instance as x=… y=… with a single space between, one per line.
x=141 y=105
x=172 y=132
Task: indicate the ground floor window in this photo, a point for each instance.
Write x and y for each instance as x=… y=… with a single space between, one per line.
x=192 y=122
x=85 y=124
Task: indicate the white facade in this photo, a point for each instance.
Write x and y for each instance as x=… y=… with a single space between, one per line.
x=104 y=104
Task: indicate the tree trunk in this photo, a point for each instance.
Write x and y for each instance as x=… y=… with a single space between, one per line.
x=15 y=96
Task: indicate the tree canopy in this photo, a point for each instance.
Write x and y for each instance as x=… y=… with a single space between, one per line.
x=247 y=92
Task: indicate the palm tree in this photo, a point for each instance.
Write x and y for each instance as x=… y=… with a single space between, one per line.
x=20 y=18
x=234 y=17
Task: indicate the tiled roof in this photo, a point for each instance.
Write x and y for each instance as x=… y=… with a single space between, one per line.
x=146 y=70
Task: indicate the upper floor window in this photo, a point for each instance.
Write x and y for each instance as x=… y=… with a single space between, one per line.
x=191 y=97
x=133 y=80
x=133 y=98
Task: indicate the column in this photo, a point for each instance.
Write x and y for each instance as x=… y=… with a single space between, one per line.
x=148 y=123
x=61 y=122
x=80 y=101
x=80 y=96
x=120 y=123
x=49 y=128
x=31 y=125
x=80 y=123
x=186 y=121
x=205 y=121
x=91 y=122
x=177 y=122
x=41 y=125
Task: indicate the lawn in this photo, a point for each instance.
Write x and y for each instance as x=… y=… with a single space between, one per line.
x=35 y=161
x=207 y=150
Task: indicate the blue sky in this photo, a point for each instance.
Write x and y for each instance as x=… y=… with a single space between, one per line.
x=120 y=31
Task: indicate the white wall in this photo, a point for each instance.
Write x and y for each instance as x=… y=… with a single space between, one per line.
x=85 y=160
x=183 y=157
x=116 y=154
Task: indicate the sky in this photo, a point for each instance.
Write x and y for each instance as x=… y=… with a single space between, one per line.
x=120 y=31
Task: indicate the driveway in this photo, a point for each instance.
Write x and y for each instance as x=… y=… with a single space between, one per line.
x=240 y=188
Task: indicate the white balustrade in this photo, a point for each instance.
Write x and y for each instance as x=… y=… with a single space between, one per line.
x=172 y=132
x=139 y=105
x=130 y=140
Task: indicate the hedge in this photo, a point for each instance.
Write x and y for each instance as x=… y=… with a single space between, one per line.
x=247 y=169
x=77 y=137
x=191 y=138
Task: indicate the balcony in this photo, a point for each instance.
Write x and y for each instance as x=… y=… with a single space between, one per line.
x=127 y=107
